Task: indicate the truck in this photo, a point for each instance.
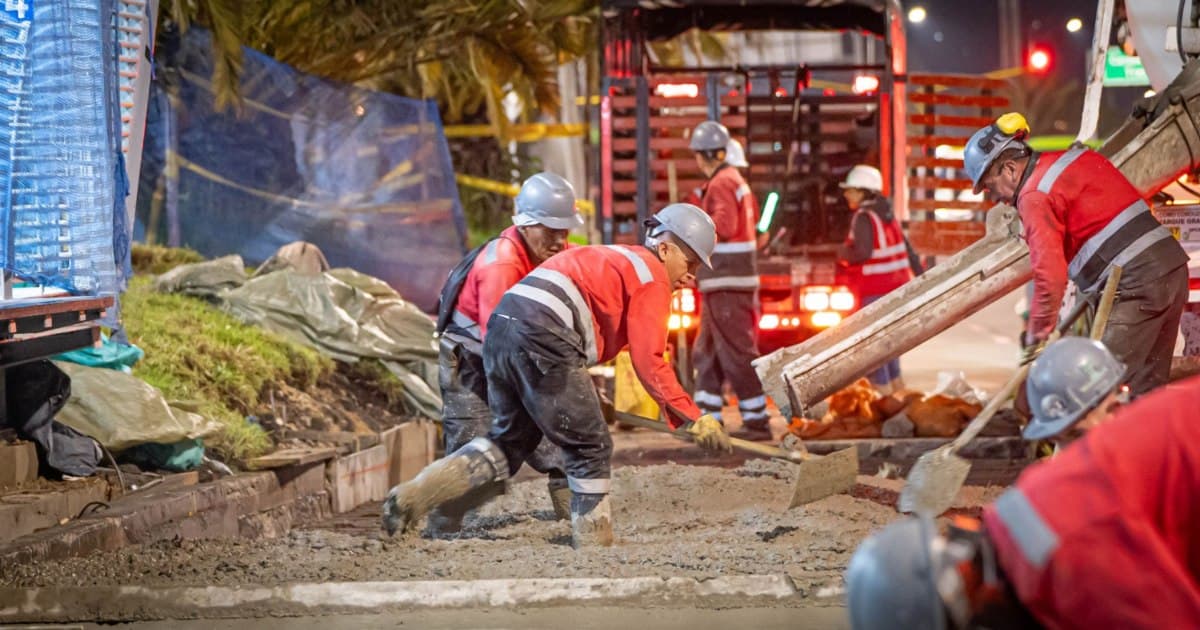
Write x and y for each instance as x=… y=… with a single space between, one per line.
x=829 y=89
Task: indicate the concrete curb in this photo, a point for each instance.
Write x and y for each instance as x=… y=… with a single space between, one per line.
x=138 y=603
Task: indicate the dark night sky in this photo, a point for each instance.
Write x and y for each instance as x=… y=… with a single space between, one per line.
x=969 y=34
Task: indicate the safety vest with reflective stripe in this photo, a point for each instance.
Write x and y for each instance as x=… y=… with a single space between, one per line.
x=888 y=267
x=607 y=298
x=728 y=200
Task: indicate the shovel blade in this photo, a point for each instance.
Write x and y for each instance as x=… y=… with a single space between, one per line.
x=820 y=477
x=934 y=482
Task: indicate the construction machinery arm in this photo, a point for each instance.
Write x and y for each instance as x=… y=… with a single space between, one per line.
x=1155 y=146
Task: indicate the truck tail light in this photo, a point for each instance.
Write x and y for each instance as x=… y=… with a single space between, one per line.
x=841 y=300
x=815 y=299
x=679 y=321
x=684 y=301
x=826 y=319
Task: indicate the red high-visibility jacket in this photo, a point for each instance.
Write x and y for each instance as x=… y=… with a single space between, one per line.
x=625 y=293
x=726 y=198
x=501 y=264
x=1107 y=534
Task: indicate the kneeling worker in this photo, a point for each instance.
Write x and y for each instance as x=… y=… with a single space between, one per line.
x=577 y=309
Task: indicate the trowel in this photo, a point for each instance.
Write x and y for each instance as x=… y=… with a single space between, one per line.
x=937 y=476
x=819 y=476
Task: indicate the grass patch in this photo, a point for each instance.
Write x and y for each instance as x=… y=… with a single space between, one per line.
x=157 y=259
x=199 y=354
x=381 y=379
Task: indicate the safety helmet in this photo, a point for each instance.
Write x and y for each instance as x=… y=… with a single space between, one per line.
x=735 y=156
x=1008 y=132
x=690 y=224
x=1067 y=381
x=709 y=135
x=864 y=177
x=547 y=199
x=905 y=576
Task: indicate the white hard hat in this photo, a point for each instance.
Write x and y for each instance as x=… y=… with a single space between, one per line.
x=864 y=177
x=735 y=156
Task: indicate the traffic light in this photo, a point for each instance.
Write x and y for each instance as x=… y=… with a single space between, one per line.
x=1039 y=59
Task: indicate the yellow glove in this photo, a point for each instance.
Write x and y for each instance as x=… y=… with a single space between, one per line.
x=1012 y=123
x=709 y=434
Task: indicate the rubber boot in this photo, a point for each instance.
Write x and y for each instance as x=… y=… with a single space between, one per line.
x=591 y=521
x=560 y=497
x=447 y=518
x=475 y=465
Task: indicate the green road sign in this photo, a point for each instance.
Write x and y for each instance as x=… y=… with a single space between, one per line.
x=1121 y=69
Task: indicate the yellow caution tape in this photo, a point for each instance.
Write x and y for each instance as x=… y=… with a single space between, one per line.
x=503 y=188
x=530 y=132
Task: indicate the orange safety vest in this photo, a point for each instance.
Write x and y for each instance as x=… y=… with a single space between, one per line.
x=887 y=268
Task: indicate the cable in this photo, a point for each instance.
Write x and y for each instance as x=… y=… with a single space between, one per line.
x=1179 y=32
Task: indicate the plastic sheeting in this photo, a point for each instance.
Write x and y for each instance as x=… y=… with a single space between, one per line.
x=366 y=176
x=121 y=411
x=342 y=313
x=58 y=151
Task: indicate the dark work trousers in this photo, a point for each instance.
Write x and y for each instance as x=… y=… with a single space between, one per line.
x=725 y=347
x=538 y=385
x=465 y=411
x=1144 y=323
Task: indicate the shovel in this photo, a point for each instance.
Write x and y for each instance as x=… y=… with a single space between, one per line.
x=938 y=475
x=819 y=476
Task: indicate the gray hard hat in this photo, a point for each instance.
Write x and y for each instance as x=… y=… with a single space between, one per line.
x=547 y=199
x=892 y=580
x=1068 y=379
x=1008 y=132
x=709 y=135
x=689 y=224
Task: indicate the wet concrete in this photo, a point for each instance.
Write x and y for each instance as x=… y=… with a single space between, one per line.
x=669 y=520
x=576 y=618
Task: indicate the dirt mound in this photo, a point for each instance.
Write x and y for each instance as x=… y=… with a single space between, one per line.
x=669 y=520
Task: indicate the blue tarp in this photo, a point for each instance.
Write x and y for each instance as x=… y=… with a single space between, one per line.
x=58 y=156
x=364 y=175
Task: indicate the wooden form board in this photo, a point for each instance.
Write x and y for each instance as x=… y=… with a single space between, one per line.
x=359 y=478
x=411 y=446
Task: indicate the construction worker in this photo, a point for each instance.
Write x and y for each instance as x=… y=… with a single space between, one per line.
x=725 y=343
x=1104 y=535
x=545 y=214
x=1074 y=385
x=1080 y=216
x=579 y=308
x=876 y=257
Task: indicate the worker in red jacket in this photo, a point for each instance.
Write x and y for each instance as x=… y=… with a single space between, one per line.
x=876 y=258
x=577 y=309
x=1081 y=216
x=725 y=343
x=1104 y=535
x=545 y=214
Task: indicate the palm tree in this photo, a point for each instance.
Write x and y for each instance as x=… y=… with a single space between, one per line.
x=466 y=54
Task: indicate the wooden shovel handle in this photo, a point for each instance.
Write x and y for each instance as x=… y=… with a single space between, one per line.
x=1015 y=381
x=745 y=445
x=1107 y=299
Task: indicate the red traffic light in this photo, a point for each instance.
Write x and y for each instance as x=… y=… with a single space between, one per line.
x=1039 y=59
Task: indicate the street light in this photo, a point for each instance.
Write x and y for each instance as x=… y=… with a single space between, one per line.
x=1074 y=24
x=916 y=15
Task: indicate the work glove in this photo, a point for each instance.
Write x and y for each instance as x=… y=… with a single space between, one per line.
x=709 y=434
x=1031 y=351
